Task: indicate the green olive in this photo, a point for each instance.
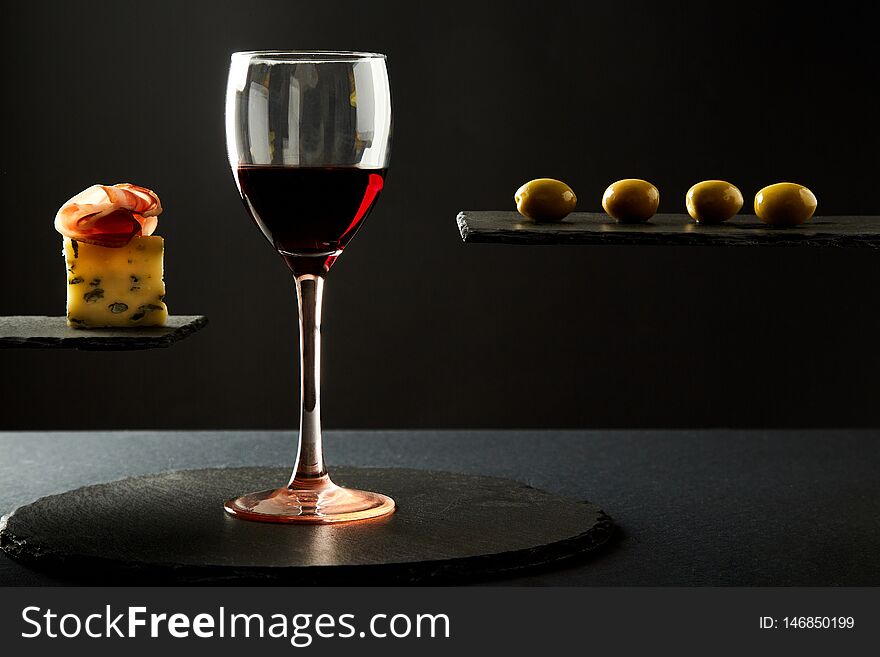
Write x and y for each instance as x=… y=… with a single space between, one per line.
x=713 y=201
x=631 y=200
x=545 y=199
x=785 y=204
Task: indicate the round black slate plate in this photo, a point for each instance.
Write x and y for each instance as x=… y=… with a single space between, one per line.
x=171 y=527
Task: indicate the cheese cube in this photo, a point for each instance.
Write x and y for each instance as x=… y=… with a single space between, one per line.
x=115 y=286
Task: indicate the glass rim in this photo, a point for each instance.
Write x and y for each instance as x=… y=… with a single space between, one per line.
x=313 y=56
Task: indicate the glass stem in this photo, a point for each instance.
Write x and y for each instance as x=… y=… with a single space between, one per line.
x=310 y=454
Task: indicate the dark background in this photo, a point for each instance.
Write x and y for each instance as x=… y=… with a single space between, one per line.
x=421 y=330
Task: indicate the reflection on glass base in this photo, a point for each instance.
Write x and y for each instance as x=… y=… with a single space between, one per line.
x=310 y=501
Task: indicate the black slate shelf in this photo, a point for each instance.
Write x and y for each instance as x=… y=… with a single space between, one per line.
x=39 y=332
x=667 y=230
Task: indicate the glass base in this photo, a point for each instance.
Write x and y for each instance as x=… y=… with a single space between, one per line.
x=314 y=501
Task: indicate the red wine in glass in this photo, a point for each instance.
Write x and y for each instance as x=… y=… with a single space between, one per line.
x=309 y=214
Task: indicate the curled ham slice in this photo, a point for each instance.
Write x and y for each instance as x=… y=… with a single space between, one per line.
x=109 y=215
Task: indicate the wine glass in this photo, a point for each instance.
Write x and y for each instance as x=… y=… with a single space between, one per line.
x=308 y=136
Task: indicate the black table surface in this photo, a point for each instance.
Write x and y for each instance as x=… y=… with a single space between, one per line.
x=694 y=508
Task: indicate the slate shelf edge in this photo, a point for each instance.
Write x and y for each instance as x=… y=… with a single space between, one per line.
x=461 y=220
x=508 y=227
x=43 y=332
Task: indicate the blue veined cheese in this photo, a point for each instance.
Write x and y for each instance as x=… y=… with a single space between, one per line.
x=115 y=286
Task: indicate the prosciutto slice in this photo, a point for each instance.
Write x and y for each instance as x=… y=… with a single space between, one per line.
x=109 y=215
